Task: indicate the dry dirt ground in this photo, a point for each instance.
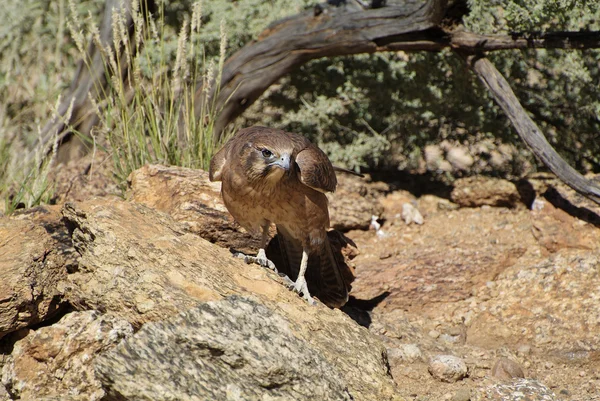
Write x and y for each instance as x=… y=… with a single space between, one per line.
x=483 y=283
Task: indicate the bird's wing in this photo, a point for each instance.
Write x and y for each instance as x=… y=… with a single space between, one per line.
x=316 y=170
x=217 y=164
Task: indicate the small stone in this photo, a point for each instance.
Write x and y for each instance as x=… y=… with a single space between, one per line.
x=448 y=368
x=405 y=353
x=523 y=349
x=480 y=191
x=434 y=334
x=463 y=394
x=411 y=214
x=460 y=158
x=505 y=369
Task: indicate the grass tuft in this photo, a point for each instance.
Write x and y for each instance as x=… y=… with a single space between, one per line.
x=147 y=114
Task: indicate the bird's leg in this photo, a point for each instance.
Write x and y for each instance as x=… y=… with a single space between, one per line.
x=261 y=257
x=301 y=287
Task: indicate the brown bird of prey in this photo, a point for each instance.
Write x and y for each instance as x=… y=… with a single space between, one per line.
x=272 y=176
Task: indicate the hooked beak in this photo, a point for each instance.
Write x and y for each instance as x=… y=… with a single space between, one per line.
x=283 y=162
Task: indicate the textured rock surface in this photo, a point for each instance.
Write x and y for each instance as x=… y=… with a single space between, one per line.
x=140 y=265
x=505 y=369
x=235 y=348
x=354 y=202
x=34 y=256
x=518 y=390
x=56 y=360
x=488 y=283
x=190 y=198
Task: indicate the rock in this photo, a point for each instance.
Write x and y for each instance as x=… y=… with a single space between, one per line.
x=405 y=353
x=189 y=197
x=505 y=369
x=480 y=191
x=460 y=158
x=56 y=360
x=233 y=346
x=517 y=390
x=556 y=229
x=140 y=265
x=546 y=186
x=353 y=203
x=561 y=288
x=434 y=156
x=35 y=253
x=447 y=368
x=411 y=214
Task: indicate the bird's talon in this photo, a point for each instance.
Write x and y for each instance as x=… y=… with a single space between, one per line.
x=260 y=259
x=302 y=288
x=287 y=281
x=300 y=285
x=242 y=256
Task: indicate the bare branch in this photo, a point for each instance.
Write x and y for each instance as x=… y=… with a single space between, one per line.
x=410 y=26
x=294 y=41
x=550 y=40
x=527 y=129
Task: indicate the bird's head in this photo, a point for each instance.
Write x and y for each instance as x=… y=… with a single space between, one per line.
x=268 y=162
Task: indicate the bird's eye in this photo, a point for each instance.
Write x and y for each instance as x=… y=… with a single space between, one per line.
x=267 y=153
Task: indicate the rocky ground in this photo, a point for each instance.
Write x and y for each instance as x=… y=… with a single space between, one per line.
x=512 y=291
x=487 y=290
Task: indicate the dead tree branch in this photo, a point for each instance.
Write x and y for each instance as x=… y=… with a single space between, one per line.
x=291 y=42
x=409 y=26
x=526 y=127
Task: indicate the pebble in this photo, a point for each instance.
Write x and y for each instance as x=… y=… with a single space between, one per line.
x=411 y=214
x=523 y=349
x=405 y=353
x=448 y=368
x=505 y=369
x=434 y=334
